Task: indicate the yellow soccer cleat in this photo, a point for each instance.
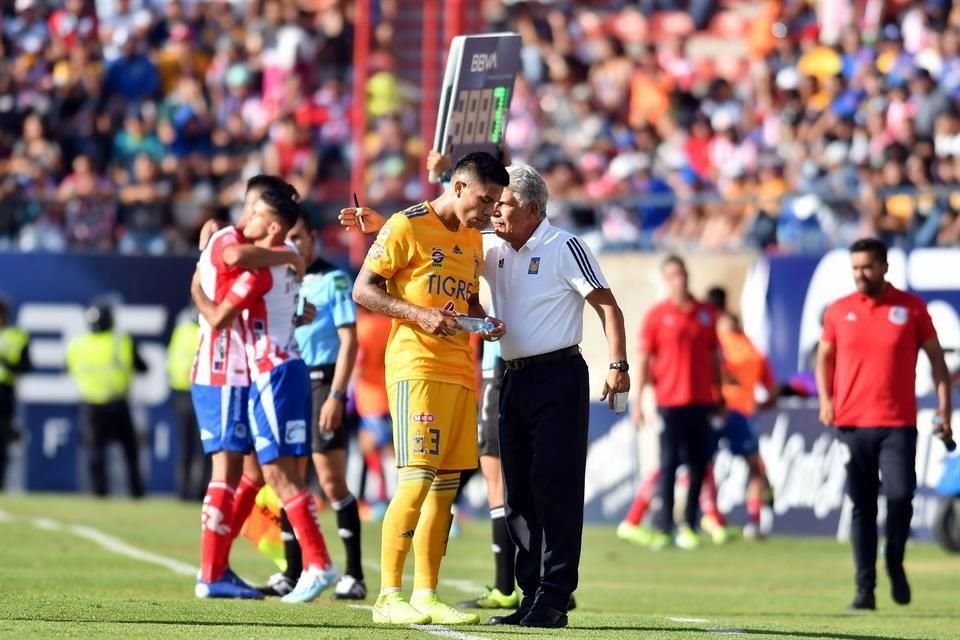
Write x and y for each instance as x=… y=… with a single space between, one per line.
x=428 y=603
x=638 y=535
x=393 y=608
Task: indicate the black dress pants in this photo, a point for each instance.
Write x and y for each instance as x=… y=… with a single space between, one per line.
x=544 y=416
x=889 y=453
x=685 y=438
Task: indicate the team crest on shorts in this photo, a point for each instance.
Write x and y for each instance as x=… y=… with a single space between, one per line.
x=898 y=315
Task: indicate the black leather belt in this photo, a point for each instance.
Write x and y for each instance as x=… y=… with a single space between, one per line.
x=543 y=358
x=322 y=373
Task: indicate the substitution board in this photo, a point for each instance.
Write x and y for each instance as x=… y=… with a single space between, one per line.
x=475 y=99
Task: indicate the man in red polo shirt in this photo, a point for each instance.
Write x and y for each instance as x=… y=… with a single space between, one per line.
x=866 y=375
x=680 y=356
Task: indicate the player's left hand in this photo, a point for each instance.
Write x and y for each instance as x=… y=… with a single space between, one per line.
x=497 y=332
x=308 y=316
x=331 y=415
x=616 y=382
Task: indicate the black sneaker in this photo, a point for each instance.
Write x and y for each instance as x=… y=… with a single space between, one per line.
x=349 y=588
x=863 y=601
x=278 y=585
x=899 y=587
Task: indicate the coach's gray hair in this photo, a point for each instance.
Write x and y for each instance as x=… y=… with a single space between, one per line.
x=528 y=186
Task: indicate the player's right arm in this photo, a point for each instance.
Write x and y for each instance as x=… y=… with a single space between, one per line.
x=826 y=364
x=392 y=251
x=248 y=256
x=246 y=288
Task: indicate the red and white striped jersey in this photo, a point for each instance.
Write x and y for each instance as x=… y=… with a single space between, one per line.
x=221 y=358
x=270 y=298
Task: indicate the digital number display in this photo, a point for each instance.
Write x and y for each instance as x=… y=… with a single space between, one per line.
x=478 y=116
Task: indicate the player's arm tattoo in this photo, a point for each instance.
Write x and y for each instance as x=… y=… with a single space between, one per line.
x=370 y=291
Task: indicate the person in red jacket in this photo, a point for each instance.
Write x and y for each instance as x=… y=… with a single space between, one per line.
x=680 y=356
x=866 y=377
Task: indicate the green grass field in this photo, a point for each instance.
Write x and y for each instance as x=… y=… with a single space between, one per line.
x=57 y=580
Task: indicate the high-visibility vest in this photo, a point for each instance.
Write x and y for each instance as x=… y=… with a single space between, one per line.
x=101 y=364
x=181 y=353
x=12 y=343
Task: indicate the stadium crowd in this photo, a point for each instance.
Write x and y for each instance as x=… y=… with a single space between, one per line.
x=720 y=124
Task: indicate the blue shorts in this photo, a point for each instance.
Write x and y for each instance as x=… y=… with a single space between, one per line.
x=380 y=427
x=222 y=418
x=280 y=410
x=739 y=434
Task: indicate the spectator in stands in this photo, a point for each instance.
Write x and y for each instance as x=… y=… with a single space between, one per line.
x=145 y=214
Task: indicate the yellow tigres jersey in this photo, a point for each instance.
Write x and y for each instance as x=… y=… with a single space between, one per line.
x=428 y=265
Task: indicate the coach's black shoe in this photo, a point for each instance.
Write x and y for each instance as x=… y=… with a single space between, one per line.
x=572 y=605
x=509 y=619
x=863 y=601
x=278 y=586
x=899 y=587
x=544 y=617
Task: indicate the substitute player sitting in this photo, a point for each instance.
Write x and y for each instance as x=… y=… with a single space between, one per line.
x=280 y=402
x=423 y=270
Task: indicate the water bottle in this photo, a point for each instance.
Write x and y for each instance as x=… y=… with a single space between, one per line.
x=475 y=325
x=938 y=428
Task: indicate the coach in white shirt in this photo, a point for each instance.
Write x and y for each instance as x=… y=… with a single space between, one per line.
x=539 y=276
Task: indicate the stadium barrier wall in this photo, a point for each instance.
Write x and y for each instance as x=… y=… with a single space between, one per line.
x=804 y=461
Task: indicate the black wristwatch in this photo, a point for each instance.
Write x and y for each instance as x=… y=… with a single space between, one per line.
x=620 y=365
x=339 y=395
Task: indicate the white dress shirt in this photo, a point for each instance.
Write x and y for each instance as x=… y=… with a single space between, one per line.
x=539 y=291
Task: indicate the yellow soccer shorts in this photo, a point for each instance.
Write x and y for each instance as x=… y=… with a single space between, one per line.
x=434 y=425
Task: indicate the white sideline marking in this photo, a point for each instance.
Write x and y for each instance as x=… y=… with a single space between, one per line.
x=718 y=631
x=119 y=547
x=443 y=632
x=115 y=545
x=694 y=620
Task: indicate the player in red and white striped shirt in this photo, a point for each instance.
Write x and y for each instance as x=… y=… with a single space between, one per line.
x=280 y=401
x=220 y=388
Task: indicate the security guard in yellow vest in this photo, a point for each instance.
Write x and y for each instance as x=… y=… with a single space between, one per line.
x=102 y=364
x=193 y=468
x=14 y=360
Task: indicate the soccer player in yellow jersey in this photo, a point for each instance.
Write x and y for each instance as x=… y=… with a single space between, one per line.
x=423 y=270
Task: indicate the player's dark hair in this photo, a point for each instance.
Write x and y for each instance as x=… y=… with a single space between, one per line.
x=307 y=220
x=484 y=167
x=283 y=206
x=717 y=298
x=263 y=182
x=872 y=246
x=673 y=259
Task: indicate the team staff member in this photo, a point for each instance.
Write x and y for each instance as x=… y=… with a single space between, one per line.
x=422 y=270
x=866 y=376
x=680 y=351
x=14 y=361
x=539 y=277
x=328 y=345
x=193 y=468
x=102 y=364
